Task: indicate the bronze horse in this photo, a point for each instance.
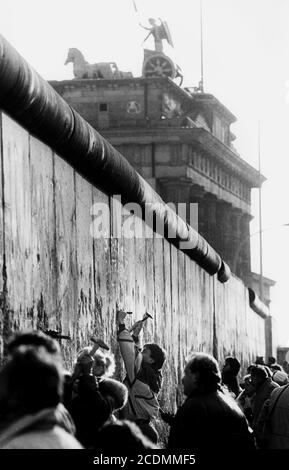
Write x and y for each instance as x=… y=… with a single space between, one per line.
x=82 y=69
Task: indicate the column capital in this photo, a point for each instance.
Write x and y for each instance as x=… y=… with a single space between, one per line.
x=175 y=189
x=197 y=192
x=173 y=182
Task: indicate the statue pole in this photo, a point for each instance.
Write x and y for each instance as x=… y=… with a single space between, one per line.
x=201 y=83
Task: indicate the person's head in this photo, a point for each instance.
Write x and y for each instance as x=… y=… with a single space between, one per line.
x=231 y=365
x=260 y=360
x=103 y=364
x=258 y=375
x=152 y=21
x=34 y=338
x=123 y=435
x=115 y=391
x=271 y=361
x=247 y=385
x=201 y=374
x=154 y=355
x=280 y=377
x=31 y=381
x=84 y=363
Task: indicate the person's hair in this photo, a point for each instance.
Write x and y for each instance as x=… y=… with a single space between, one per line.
x=234 y=364
x=33 y=338
x=31 y=381
x=271 y=360
x=83 y=356
x=99 y=358
x=106 y=360
x=123 y=435
x=158 y=354
x=116 y=390
x=259 y=371
x=207 y=368
x=260 y=360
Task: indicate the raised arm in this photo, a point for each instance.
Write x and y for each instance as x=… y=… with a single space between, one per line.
x=129 y=347
x=145 y=27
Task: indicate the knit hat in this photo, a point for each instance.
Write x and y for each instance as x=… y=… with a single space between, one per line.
x=281 y=378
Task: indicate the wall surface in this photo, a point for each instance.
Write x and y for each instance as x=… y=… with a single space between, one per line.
x=56 y=275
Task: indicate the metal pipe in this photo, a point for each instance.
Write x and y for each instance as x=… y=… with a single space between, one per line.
x=260 y=216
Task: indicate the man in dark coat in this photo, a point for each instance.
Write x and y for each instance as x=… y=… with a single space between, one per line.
x=276 y=426
x=264 y=386
x=209 y=417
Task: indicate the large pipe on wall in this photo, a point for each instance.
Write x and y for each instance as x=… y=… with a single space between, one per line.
x=257 y=305
x=32 y=102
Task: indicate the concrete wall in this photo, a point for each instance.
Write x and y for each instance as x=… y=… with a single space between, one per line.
x=56 y=275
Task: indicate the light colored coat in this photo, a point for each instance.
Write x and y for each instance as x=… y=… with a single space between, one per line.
x=142 y=401
x=47 y=429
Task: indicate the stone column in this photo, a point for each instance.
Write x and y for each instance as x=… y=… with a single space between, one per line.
x=176 y=191
x=223 y=230
x=244 y=266
x=197 y=196
x=210 y=220
x=235 y=240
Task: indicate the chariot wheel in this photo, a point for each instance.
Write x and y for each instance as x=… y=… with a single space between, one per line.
x=158 y=66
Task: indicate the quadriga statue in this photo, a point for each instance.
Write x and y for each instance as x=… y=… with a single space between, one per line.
x=82 y=69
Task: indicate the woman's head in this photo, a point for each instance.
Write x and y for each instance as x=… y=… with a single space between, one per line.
x=115 y=391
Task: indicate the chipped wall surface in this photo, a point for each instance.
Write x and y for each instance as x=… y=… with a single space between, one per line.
x=55 y=275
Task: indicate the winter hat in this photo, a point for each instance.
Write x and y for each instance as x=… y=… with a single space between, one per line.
x=281 y=378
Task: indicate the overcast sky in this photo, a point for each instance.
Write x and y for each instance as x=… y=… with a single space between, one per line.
x=246 y=66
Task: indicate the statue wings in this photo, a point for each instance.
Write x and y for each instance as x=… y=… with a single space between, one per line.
x=165 y=32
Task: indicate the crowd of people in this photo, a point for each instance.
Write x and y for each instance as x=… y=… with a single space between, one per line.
x=44 y=406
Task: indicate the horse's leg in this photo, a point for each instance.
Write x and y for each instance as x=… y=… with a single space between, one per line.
x=94 y=71
x=90 y=72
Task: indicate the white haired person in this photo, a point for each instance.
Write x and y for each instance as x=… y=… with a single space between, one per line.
x=99 y=362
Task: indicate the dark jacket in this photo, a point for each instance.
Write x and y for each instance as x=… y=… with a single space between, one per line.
x=277 y=420
x=261 y=395
x=89 y=410
x=207 y=421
